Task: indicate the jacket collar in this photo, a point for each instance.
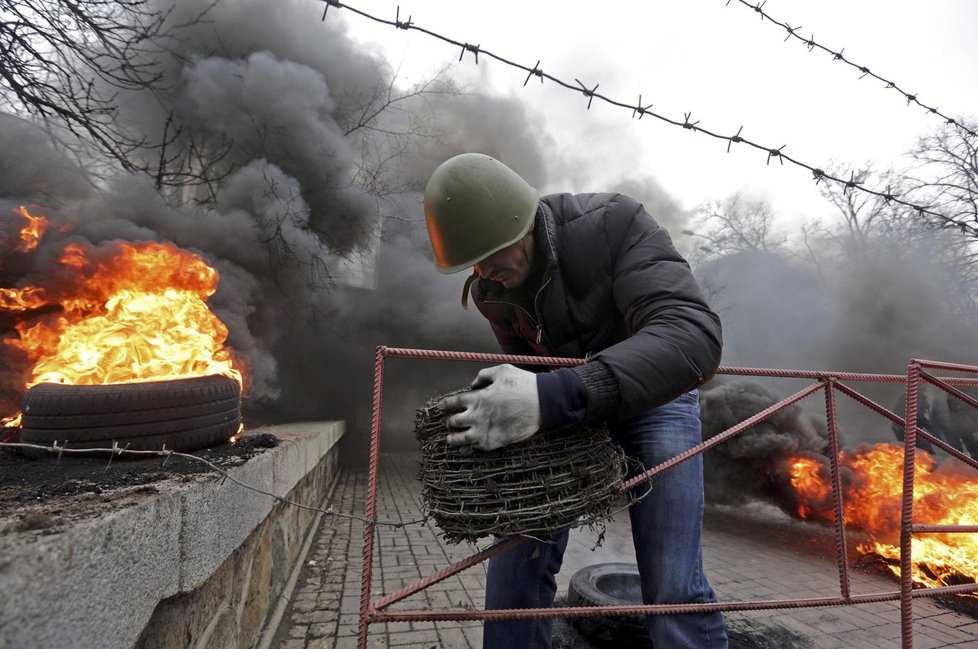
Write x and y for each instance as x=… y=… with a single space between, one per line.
x=545 y=235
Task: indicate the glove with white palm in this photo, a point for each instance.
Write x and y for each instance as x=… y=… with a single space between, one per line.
x=502 y=408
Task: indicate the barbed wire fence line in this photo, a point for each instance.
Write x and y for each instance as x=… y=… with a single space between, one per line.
x=640 y=110
x=839 y=55
x=166 y=454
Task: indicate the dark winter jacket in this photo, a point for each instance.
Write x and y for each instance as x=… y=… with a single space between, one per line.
x=614 y=290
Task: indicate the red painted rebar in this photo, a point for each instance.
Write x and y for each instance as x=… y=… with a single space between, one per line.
x=478 y=357
x=721 y=437
x=374 y=458
x=872 y=405
x=950 y=367
x=816 y=375
x=660 y=609
x=445 y=573
x=906 y=506
x=829 y=380
x=820 y=375
x=943 y=529
x=942 y=384
x=947 y=448
x=371 y=507
x=841 y=551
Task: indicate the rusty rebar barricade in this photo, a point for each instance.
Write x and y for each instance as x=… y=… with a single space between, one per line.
x=829 y=382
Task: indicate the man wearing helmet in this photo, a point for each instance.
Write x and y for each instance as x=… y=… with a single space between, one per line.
x=583 y=276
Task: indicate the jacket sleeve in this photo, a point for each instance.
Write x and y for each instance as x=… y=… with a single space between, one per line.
x=674 y=340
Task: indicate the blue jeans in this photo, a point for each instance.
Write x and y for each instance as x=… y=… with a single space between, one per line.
x=666 y=531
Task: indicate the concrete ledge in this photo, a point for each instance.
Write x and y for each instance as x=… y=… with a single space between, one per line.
x=197 y=564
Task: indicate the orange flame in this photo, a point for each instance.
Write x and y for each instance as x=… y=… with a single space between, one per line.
x=872 y=503
x=805 y=478
x=12 y=299
x=137 y=314
x=31 y=233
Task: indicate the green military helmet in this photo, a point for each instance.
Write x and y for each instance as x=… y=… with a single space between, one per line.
x=475 y=205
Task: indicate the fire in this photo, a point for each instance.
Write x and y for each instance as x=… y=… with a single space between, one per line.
x=12 y=299
x=118 y=313
x=33 y=230
x=805 y=479
x=872 y=502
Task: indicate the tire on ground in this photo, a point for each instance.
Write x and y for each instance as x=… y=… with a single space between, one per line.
x=609 y=584
x=182 y=414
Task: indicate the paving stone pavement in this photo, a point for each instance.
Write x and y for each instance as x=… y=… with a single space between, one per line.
x=751 y=552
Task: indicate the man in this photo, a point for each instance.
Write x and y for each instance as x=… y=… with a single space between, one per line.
x=584 y=276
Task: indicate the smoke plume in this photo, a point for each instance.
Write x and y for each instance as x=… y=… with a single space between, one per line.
x=753 y=464
x=312 y=214
x=867 y=312
x=319 y=240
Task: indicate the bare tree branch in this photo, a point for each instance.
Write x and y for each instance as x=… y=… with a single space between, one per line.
x=64 y=60
x=737 y=224
x=947 y=176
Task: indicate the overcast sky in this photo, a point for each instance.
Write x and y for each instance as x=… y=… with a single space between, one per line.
x=720 y=62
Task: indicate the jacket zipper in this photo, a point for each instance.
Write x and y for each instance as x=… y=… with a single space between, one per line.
x=517 y=306
x=534 y=317
x=536 y=305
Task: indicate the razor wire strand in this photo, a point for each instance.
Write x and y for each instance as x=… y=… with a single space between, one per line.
x=640 y=110
x=224 y=475
x=811 y=44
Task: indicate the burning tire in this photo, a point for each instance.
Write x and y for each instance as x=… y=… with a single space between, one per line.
x=183 y=414
x=609 y=584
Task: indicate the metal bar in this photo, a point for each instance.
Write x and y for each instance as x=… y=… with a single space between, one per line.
x=943 y=529
x=816 y=375
x=824 y=375
x=660 y=609
x=947 y=448
x=721 y=437
x=840 y=521
x=371 y=612
x=445 y=573
x=479 y=357
x=371 y=507
x=951 y=367
x=942 y=384
x=872 y=405
x=906 y=509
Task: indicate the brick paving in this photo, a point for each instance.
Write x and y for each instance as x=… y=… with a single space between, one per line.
x=753 y=552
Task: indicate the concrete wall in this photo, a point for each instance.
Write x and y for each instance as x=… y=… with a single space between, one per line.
x=198 y=565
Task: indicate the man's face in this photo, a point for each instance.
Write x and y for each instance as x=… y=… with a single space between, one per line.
x=509 y=266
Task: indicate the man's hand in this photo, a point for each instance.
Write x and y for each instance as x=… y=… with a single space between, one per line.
x=503 y=407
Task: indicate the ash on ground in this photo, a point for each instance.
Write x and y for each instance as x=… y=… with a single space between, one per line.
x=41 y=496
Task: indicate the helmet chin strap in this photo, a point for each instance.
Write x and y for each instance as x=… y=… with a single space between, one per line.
x=465 y=289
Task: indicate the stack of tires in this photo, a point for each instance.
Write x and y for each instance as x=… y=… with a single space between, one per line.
x=182 y=414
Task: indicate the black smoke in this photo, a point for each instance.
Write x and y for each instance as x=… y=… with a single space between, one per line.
x=755 y=464
x=865 y=310
x=314 y=222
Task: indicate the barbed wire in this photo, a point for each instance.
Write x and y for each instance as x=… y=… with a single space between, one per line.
x=57 y=449
x=640 y=110
x=840 y=56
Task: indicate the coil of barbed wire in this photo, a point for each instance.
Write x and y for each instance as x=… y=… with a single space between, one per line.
x=551 y=481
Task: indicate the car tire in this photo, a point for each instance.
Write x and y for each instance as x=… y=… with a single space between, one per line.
x=182 y=414
x=609 y=584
